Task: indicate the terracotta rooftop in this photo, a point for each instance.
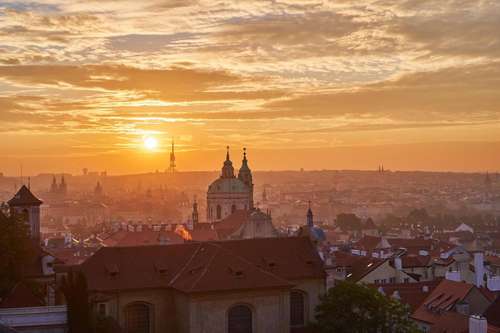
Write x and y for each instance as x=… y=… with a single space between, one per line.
x=140 y=238
x=208 y=266
x=356 y=266
x=438 y=308
x=412 y=294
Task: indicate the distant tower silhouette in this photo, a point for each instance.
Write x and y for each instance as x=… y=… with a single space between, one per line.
x=63 y=187
x=53 y=187
x=194 y=215
x=27 y=205
x=171 y=168
x=310 y=220
x=98 y=190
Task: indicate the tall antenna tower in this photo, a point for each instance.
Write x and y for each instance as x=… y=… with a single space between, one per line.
x=171 y=167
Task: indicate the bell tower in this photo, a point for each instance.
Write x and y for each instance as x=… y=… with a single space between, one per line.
x=26 y=204
x=245 y=175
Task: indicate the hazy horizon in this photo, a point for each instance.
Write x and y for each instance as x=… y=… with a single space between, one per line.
x=432 y=157
x=107 y=85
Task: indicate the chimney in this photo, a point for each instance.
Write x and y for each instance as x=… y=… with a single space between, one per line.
x=479 y=269
x=453 y=276
x=462 y=308
x=398 y=263
x=494 y=283
x=478 y=324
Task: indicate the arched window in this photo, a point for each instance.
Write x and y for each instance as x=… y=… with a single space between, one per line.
x=239 y=319
x=219 y=212
x=233 y=208
x=297 y=308
x=138 y=318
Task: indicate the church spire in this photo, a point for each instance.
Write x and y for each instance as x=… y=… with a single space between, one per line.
x=194 y=215
x=310 y=220
x=245 y=175
x=227 y=169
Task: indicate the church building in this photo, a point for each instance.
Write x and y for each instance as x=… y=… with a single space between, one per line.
x=229 y=193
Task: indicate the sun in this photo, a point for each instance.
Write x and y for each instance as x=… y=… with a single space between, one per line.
x=150 y=143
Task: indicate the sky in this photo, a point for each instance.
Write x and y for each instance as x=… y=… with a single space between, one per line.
x=411 y=84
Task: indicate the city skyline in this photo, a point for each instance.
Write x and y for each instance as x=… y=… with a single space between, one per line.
x=303 y=84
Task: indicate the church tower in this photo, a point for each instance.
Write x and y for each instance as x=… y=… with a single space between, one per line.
x=26 y=204
x=310 y=219
x=194 y=215
x=245 y=175
x=63 y=187
x=229 y=193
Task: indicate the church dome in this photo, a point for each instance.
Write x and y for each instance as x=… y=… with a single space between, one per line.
x=228 y=185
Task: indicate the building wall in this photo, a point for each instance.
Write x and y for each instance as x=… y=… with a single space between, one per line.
x=270 y=309
x=162 y=306
x=226 y=201
x=314 y=289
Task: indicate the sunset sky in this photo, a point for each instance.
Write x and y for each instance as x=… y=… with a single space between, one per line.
x=413 y=84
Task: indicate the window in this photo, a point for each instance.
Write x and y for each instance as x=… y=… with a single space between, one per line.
x=137 y=316
x=377 y=281
x=392 y=280
x=239 y=319
x=102 y=309
x=219 y=212
x=406 y=280
x=297 y=308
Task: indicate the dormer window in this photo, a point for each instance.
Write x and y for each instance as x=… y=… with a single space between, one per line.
x=112 y=270
x=161 y=268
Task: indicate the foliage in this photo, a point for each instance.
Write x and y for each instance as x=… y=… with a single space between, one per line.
x=350 y=307
x=348 y=222
x=107 y=325
x=74 y=288
x=16 y=250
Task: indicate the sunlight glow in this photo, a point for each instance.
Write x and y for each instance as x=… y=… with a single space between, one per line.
x=150 y=143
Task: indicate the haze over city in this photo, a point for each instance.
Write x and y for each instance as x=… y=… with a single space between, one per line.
x=335 y=84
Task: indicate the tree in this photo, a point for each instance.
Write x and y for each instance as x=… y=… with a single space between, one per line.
x=74 y=288
x=16 y=250
x=350 y=307
x=348 y=222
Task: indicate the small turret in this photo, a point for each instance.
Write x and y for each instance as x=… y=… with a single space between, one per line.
x=194 y=215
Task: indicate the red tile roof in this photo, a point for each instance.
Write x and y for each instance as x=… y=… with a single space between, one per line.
x=356 y=266
x=415 y=261
x=232 y=223
x=367 y=243
x=140 y=238
x=438 y=307
x=208 y=266
x=412 y=294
